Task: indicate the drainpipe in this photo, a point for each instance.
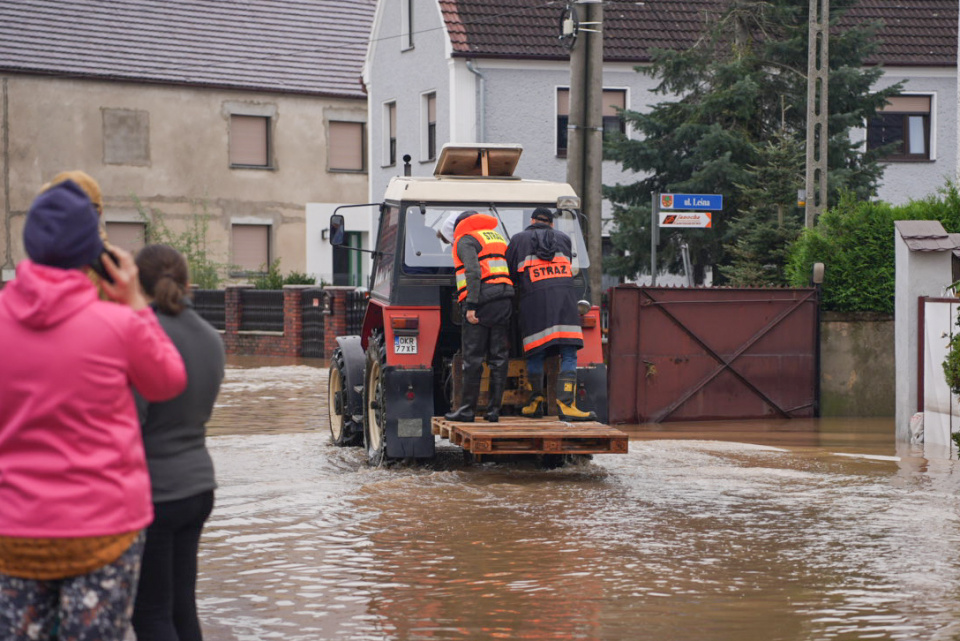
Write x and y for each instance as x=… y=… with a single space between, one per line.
x=8 y=265
x=482 y=124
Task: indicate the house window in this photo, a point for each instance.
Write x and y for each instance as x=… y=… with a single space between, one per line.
x=429 y=126
x=406 y=24
x=904 y=124
x=251 y=248
x=613 y=99
x=126 y=137
x=249 y=141
x=390 y=134
x=129 y=236
x=346 y=146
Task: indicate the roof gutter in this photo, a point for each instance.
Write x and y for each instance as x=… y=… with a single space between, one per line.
x=481 y=90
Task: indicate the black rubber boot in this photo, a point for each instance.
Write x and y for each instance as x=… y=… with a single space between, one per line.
x=471 y=392
x=567 y=399
x=497 y=381
x=499 y=362
x=462 y=415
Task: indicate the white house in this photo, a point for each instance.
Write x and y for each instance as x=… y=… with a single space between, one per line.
x=494 y=71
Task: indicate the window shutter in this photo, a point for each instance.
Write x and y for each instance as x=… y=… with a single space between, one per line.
x=346 y=146
x=251 y=247
x=248 y=141
x=432 y=108
x=128 y=236
x=393 y=119
x=908 y=104
x=613 y=100
x=563 y=102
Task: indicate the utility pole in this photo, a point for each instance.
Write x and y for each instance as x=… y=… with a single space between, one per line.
x=818 y=67
x=585 y=130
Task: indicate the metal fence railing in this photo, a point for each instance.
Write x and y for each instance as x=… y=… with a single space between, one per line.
x=261 y=310
x=211 y=304
x=356 y=308
x=313 y=304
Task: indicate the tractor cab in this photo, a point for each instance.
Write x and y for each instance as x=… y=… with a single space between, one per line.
x=388 y=383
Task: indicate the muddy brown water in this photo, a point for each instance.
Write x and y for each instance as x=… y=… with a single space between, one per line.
x=741 y=531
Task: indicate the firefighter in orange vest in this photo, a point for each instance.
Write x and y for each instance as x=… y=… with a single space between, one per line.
x=485 y=293
x=540 y=264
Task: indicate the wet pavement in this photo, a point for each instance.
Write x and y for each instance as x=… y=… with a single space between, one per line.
x=715 y=531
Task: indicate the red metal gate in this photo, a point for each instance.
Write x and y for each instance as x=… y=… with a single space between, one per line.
x=688 y=354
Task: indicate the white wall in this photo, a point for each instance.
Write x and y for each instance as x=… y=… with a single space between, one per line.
x=917 y=274
x=319 y=251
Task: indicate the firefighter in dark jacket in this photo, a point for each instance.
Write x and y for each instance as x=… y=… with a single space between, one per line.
x=485 y=293
x=540 y=260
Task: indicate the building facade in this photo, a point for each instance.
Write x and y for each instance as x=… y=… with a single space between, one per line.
x=231 y=116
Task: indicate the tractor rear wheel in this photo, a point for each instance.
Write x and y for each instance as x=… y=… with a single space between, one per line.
x=374 y=410
x=344 y=430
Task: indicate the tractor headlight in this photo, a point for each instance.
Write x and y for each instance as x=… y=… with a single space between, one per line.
x=583 y=306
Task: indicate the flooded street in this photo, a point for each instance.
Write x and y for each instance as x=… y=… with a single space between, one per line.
x=714 y=531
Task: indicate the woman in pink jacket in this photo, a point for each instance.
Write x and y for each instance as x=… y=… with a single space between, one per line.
x=74 y=487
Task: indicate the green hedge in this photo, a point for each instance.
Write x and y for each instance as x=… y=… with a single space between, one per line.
x=855 y=242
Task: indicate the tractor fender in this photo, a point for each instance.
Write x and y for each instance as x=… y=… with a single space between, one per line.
x=354 y=361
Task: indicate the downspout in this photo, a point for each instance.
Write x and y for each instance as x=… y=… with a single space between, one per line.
x=481 y=101
x=8 y=266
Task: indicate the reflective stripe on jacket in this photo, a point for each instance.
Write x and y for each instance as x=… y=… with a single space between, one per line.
x=492 y=254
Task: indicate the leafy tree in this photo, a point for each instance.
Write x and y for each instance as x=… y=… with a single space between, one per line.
x=736 y=115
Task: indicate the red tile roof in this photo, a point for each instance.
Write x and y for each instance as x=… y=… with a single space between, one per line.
x=915 y=32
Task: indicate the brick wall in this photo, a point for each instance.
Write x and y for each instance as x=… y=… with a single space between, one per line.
x=289 y=342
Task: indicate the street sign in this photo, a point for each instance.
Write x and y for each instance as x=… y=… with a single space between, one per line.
x=690 y=219
x=710 y=202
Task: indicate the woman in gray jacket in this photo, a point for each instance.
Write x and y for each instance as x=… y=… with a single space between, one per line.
x=181 y=471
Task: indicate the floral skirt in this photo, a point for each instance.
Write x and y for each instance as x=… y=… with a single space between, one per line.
x=88 y=607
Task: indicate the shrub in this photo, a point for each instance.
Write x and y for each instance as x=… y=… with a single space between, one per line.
x=271 y=278
x=855 y=242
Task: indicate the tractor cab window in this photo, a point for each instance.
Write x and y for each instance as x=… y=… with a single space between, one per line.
x=423 y=250
x=425 y=253
x=386 y=251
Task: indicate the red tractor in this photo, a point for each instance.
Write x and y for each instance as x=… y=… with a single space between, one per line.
x=391 y=385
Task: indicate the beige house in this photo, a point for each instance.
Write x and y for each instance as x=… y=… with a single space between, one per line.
x=244 y=112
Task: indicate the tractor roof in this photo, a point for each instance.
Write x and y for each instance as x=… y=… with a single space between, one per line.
x=476 y=173
x=480 y=189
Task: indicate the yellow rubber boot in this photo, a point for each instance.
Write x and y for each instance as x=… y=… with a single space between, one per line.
x=535 y=401
x=566 y=399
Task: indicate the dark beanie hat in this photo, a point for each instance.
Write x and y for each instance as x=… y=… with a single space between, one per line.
x=463 y=217
x=62 y=228
x=542 y=214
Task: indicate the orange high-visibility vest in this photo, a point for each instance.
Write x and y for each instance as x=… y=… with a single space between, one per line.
x=492 y=255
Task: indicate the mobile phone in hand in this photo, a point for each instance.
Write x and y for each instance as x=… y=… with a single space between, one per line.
x=98 y=267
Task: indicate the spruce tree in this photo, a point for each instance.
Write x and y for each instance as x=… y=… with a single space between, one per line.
x=733 y=122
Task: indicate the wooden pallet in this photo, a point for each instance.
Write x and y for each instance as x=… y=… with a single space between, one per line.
x=514 y=435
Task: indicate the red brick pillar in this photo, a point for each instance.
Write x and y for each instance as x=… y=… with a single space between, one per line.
x=232 y=313
x=335 y=317
x=293 y=319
